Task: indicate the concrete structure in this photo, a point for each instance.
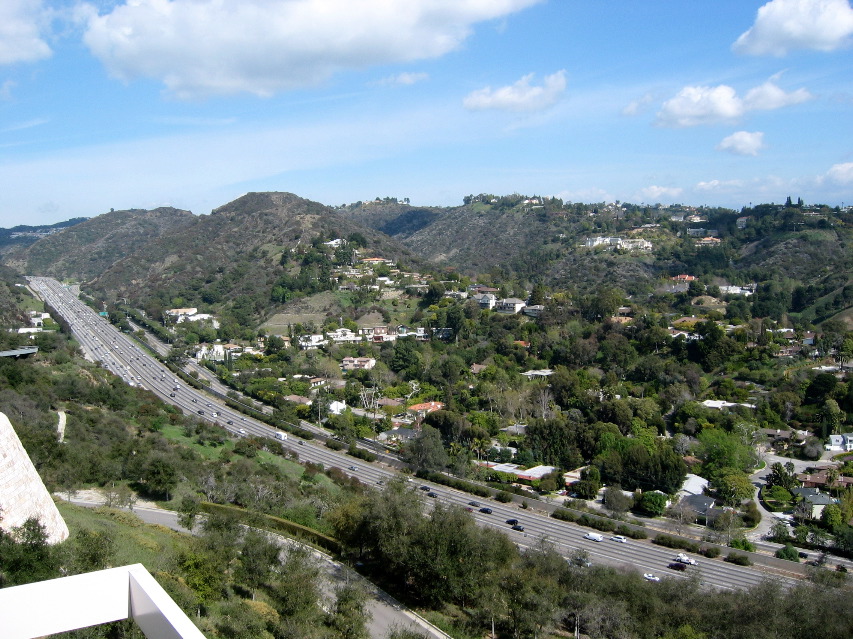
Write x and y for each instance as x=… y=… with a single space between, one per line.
x=22 y=492
x=58 y=605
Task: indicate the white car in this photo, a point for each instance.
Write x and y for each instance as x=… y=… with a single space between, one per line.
x=593 y=536
x=649 y=576
x=619 y=538
x=684 y=559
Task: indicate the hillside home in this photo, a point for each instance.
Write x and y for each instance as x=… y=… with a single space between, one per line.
x=509 y=305
x=486 y=301
x=344 y=336
x=419 y=411
x=310 y=342
x=357 y=363
x=843 y=442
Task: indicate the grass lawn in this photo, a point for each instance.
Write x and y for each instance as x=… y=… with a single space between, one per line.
x=135 y=541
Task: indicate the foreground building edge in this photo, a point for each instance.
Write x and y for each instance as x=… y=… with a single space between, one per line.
x=79 y=601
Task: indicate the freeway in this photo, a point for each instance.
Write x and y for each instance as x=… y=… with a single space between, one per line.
x=100 y=341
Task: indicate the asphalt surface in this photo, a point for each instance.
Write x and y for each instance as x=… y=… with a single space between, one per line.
x=103 y=342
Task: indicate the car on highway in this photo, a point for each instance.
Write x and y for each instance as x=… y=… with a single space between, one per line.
x=171 y=394
x=675 y=565
x=475 y=504
x=201 y=412
x=486 y=510
x=650 y=576
x=619 y=538
x=424 y=488
x=242 y=431
x=229 y=422
x=518 y=527
x=593 y=536
x=684 y=559
x=353 y=468
x=512 y=522
x=432 y=494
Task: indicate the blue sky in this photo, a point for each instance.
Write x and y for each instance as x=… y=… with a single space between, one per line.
x=191 y=103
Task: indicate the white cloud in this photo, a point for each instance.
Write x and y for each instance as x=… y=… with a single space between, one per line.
x=658 y=193
x=638 y=106
x=701 y=105
x=22 y=23
x=718 y=185
x=769 y=96
x=742 y=143
x=841 y=173
x=404 y=79
x=693 y=106
x=520 y=96
x=207 y=47
x=787 y=25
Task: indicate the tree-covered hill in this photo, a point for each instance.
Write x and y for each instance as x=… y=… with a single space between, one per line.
x=84 y=251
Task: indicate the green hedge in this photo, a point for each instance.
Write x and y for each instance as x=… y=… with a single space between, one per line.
x=677 y=543
x=599 y=523
x=738 y=559
x=334 y=444
x=366 y=455
x=452 y=482
x=275 y=524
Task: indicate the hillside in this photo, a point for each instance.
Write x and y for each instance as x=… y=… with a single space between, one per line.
x=25 y=235
x=234 y=256
x=87 y=249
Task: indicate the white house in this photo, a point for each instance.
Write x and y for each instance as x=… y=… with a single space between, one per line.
x=509 y=305
x=309 y=342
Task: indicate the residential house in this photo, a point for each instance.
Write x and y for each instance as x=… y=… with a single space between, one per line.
x=509 y=305
x=486 y=301
x=344 y=336
x=357 y=363
x=843 y=442
x=419 y=411
x=310 y=342
x=534 y=311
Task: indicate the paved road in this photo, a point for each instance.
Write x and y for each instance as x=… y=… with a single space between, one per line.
x=387 y=613
x=102 y=341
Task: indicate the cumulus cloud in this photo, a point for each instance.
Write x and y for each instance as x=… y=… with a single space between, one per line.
x=769 y=96
x=841 y=173
x=693 y=106
x=22 y=27
x=207 y=47
x=701 y=105
x=788 y=25
x=404 y=79
x=658 y=193
x=520 y=96
x=742 y=143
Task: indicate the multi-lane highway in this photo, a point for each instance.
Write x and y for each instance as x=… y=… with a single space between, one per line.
x=100 y=341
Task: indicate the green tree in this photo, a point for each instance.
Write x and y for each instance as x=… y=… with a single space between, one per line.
x=160 y=476
x=92 y=550
x=831 y=517
x=350 y=616
x=734 y=486
x=427 y=451
x=258 y=559
x=653 y=503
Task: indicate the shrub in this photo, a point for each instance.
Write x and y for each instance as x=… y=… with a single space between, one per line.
x=742 y=544
x=366 y=455
x=711 y=552
x=789 y=553
x=334 y=445
x=564 y=515
x=503 y=497
x=676 y=542
x=738 y=559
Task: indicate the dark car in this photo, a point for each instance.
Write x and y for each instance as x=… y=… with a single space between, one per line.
x=229 y=422
x=486 y=510
x=475 y=504
x=678 y=566
x=425 y=488
x=518 y=527
x=512 y=522
x=171 y=394
x=201 y=412
x=432 y=494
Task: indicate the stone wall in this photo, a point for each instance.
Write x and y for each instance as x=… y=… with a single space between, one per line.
x=22 y=492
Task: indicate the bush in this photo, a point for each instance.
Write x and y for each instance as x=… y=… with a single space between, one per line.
x=458 y=484
x=564 y=515
x=789 y=553
x=738 y=559
x=751 y=515
x=711 y=552
x=334 y=444
x=742 y=544
x=366 y=455
x=503 y=497
x=676 y=542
